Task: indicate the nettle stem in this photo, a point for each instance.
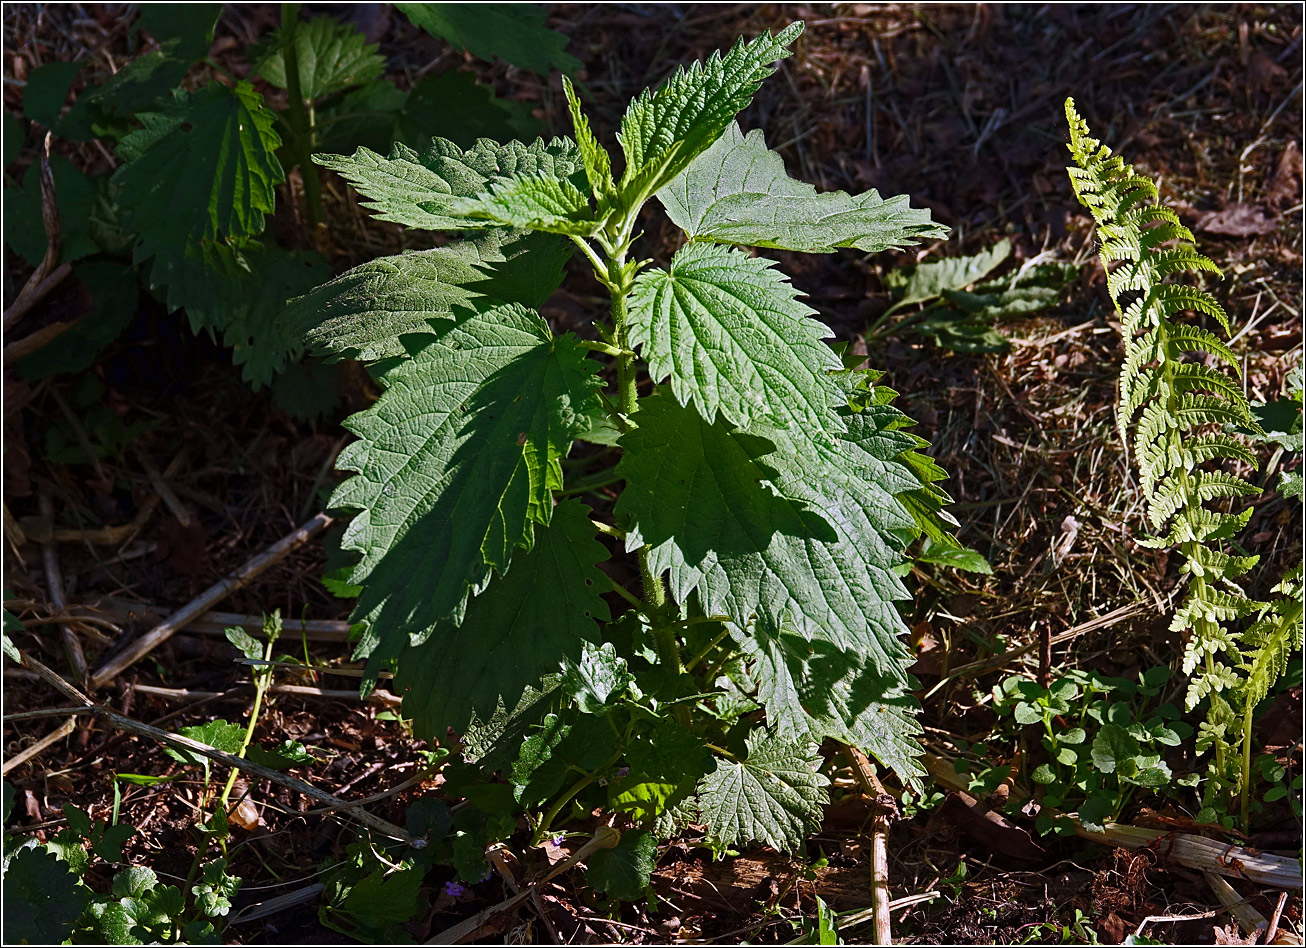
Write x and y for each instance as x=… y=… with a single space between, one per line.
x=298 y=116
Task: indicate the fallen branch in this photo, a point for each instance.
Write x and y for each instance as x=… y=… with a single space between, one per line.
x=1251 y=921
x=884 y=809
x=201 y=603
x=54 y=579
x=1184 y=849
x=214 y=623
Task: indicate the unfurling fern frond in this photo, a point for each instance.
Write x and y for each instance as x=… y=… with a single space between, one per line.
x=1179 y=410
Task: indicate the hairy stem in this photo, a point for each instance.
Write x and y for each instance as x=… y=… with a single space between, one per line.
x=297 y=116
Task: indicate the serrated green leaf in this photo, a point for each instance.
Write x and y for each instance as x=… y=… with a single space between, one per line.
x=927 y=281
x=47 y=88
x=202 y=168
x=286 y=754
x=543 y=202
x=421 y=190
x=1114 y=749
x=624 y=871
x=14 y=133
x=383 y=898
x=67 y=844
x=249 y=320
x=512 y=32
x=366 y=116
x=501 y=648
x=248 y=646
x=599 y=675
x=144 y=82
x=810 y=689
x=670 y=752
x=598 y=166
x=761 y=534
x=737 y=192
x=663 y=131
x=964 y=559
x=190 y=24
x=492 y=744
x=362 y=313
x=42 y=899
x=535 y=752
x=75 y=196
x=133 y=882
x=332 y=56
x=456 y=461
x=774 y=796
x=221 y=734
x=216 y=888
x=730 y=333
x=453 y=105
x=107 y=841
x=640 y=798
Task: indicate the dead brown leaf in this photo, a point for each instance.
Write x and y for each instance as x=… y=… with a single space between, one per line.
x=1285 y=184
x=1239 y=220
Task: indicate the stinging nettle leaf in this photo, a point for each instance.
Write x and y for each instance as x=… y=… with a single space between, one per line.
x=810 y=689
x=623 y=872
x=598 y=166
x=737 y=192
x=456 y=461
x=422 y=189
x=929 y=280
x=730 y=332
x=546 y=606
x=332 y=56
x=774 y=796
x=663 y=131
x=362 y=313
x=532 y=202
x=513 y=32
x=787 y=539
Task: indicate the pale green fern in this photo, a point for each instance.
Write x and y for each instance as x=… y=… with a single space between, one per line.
x=1180 y=411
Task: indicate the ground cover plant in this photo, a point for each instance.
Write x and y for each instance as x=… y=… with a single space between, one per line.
x=518 y=771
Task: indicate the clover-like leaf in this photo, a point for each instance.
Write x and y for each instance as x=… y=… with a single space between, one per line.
x=737 y=192
x=456 y=461
x=730 y=332
x=503 y=647
x=663 y=131
x=774 y=795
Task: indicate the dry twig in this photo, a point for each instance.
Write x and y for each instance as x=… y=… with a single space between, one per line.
x=165 y=630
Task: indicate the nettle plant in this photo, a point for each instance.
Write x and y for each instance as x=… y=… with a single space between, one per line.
x=770 y=491
x=1187 y=418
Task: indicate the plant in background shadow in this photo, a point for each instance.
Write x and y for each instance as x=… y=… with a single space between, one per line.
x=198 y=169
